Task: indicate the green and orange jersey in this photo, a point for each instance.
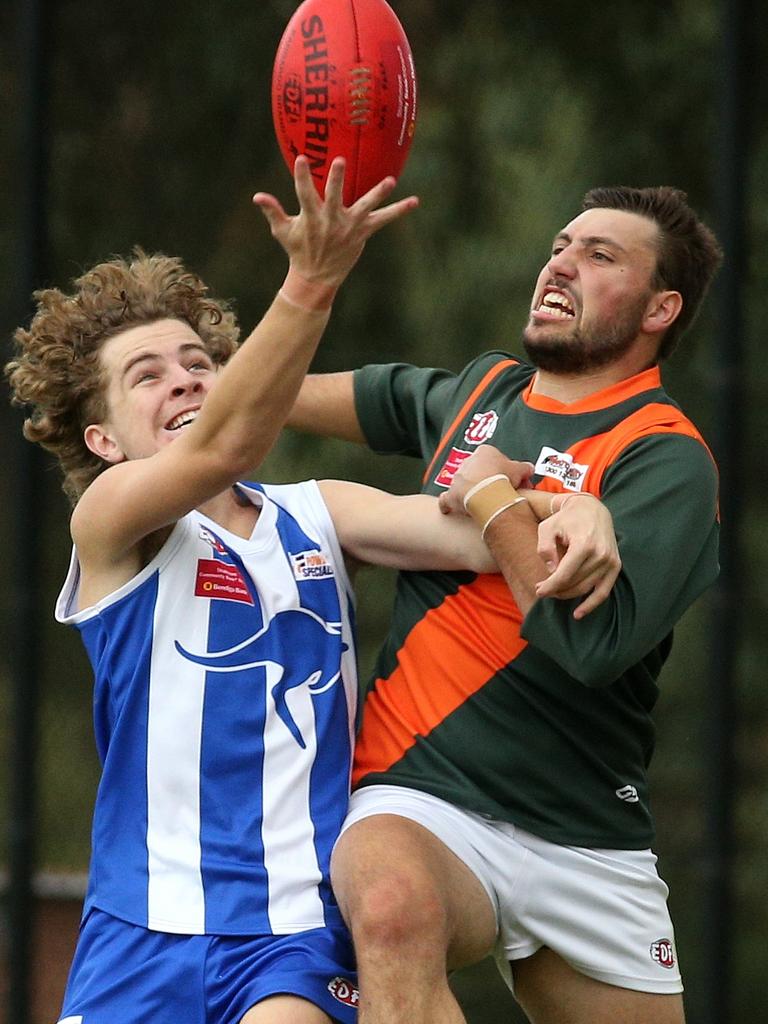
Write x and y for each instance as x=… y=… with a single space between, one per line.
x=540 y=720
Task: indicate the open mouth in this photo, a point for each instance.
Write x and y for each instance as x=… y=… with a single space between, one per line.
x=556 y=304
x=182 y=420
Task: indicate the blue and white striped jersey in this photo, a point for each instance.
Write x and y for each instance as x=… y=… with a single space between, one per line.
x=225 y=703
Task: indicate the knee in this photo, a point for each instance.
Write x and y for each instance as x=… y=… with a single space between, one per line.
x=398 y=909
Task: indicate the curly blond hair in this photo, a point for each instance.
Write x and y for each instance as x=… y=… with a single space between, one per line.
x=57 y=371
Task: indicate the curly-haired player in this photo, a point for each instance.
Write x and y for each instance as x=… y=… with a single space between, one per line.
x=217 y=618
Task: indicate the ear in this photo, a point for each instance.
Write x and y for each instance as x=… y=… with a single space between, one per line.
x=98 y=440
x=662 y=311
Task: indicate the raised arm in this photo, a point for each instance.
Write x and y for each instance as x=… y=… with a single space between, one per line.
x=245 y=410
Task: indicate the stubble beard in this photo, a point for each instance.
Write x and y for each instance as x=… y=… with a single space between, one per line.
x=587 y=348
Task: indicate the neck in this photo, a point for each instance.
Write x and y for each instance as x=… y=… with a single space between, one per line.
x=569 y=388
x=231 y=510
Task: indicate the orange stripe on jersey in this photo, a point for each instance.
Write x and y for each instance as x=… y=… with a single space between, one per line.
x=647 y=380
x=602 y=450
x=449 y=654
x=489 y=377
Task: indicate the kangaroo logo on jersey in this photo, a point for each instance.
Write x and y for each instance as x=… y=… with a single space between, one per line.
x=663 y=953
x=311 y=565
x=560 y=466
x=482 y=427
x=294 y=641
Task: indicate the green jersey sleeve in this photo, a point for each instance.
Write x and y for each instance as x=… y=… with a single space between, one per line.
x=662 y=494
x=404 y=409
x=400 y=407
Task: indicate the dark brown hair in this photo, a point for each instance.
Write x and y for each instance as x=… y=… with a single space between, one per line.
x=688 y=254
x=57 y=371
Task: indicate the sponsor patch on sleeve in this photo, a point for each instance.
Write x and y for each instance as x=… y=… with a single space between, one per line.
x=311 y=565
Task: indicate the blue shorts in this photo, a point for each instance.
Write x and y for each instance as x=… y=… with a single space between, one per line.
x=125 y=973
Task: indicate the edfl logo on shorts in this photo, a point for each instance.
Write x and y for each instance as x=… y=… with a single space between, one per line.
x=663 y=953
x=343 y=990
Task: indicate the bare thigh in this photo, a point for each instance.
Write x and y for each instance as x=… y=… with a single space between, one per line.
x=391 y=869
x=552 y=992
x=285 y=1010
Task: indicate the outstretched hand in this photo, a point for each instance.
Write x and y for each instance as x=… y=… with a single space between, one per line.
x=324 y=239
x=578 y=545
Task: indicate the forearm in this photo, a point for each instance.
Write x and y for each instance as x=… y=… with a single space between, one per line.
x=246 y=410
x=512 y=539
x=325 y=405
x=403 y=531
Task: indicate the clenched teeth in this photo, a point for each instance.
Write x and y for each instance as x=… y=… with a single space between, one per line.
x=557 y=304
x=182 y=419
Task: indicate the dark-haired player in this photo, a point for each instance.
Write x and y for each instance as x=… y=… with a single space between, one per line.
x=501 y=796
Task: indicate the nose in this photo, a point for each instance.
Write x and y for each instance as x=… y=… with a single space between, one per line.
x=185 y=382
x=562 y=263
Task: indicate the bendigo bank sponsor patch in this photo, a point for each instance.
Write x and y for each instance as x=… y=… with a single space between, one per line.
x=220 y=580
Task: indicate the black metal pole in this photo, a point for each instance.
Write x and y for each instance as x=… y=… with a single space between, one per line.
x=24 y=469
x=731 y=173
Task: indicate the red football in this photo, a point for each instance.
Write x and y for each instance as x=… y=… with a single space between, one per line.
x=344 y=84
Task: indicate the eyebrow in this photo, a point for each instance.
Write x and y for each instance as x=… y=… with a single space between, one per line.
x=142 y=357
x=591 y=240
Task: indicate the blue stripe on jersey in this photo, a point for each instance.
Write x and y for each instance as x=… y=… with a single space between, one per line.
x=329 y=787
x=121 y=699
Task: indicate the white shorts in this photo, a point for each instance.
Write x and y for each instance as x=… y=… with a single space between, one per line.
x=603 y=911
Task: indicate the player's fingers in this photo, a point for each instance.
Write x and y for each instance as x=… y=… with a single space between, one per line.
x=271 y=208
x=334 y=184
x=548 y=552
x=306 y=193
x=374 y=196
x=379 y=218
x=601 y=582
x=549 y=547
x=443 y=503
x=593 y=600
x=569 y=573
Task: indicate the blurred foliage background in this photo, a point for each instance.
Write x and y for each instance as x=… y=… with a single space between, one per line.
x=160 y=131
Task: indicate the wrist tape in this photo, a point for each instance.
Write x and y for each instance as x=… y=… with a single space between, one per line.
x=489 y=498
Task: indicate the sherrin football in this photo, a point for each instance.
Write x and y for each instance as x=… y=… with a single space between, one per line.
x=344 y=84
